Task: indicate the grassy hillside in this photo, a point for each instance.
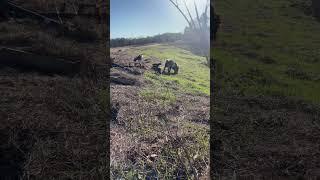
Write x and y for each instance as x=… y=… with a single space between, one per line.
x=269 y=48
x=193 y=74
x=166 y=117
x=266 y=119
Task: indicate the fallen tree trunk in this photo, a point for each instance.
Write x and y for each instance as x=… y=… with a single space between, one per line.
x=46 y=64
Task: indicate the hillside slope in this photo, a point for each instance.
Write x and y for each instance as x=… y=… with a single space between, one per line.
x=268 y=88
x=273 y=47
x=160 y=125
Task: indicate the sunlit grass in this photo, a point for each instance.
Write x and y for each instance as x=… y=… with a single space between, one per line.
x=193 y=76
x=183 y=149
x=164 y=95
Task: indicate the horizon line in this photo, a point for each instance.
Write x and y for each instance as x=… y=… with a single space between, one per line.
x=138 y=37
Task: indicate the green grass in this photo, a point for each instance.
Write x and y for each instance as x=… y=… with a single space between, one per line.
x=185 y=149
x=261 y=41
x=193 y=76
x=189 y=152
x=165 y=96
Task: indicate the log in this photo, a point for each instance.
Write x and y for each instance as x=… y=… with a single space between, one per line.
x=29 y=61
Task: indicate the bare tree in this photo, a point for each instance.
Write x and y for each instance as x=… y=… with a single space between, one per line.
x=198 y=32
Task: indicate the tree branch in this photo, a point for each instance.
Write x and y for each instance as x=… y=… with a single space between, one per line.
x=195 y=6
x=205 y=16
x=185 y=17
x=194 y=26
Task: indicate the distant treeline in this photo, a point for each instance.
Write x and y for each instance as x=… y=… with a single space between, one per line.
x=161 y=38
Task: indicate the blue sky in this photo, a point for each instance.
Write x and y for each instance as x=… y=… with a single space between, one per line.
x=140 y=18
